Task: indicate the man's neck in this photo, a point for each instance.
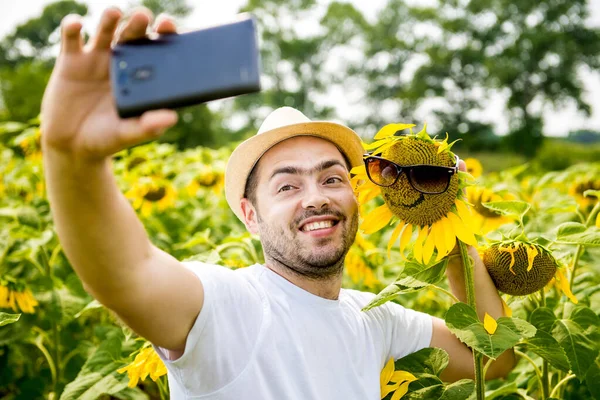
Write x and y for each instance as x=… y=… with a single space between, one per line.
x=327 y=288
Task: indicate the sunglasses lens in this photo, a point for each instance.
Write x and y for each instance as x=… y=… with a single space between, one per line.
x=382 y=172
x=429 y=178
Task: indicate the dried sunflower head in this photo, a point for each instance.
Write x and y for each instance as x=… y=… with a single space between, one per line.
x=418 y=198
x=518 y=267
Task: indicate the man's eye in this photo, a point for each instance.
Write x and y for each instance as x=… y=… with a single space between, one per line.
x=285 y=188
x=333 y=179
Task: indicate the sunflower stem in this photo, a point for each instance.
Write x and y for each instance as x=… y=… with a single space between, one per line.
x=579 y=251
x=545 y=378
x=470 y=291
x=537 y=371
x=453 y=297
x=562 y=382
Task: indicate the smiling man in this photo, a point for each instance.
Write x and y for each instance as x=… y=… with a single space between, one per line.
x=282 y=330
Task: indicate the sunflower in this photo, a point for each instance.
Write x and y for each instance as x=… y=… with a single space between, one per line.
x=208 y=177
x=484 y=219
x=395 y=382
x=474 y=167
x=150 y=193
x=578 y=188
x=437 y=220
x=520 y=267
x=146 y=363
x=23 y=299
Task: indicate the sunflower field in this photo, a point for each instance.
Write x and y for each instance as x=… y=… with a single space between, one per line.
x=57 y=342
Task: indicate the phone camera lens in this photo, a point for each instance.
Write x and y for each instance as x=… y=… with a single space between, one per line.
x=124 y=92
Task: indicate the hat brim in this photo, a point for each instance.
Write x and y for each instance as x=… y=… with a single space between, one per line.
x=247 y=154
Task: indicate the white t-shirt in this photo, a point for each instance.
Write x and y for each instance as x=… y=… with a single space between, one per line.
x=261 y=337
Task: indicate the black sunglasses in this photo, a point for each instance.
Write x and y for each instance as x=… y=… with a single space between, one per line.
x=427 y=179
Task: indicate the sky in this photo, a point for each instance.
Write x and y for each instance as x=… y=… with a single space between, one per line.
x=208 y=12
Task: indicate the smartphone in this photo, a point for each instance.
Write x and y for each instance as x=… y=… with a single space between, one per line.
x=177 y=70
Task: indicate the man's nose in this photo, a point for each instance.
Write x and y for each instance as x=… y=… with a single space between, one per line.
x=315 y=197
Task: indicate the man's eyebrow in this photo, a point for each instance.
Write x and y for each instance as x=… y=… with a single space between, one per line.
x=301 y=171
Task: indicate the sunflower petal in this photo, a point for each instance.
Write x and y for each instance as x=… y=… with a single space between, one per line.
x=391 y=129
x=376 y=219
x=387 y=389
x=428 y=246
x=359 y=170
x=386 y=372
x=401 y=391
x=405 y=238
x=532 y=251
x=440 y=241
x=461 y=231
x=489 y=324
x=506 y=308
x=418 y=246
x=449 y=236
x=394 y=237
x=368 y=193
x=563 y=284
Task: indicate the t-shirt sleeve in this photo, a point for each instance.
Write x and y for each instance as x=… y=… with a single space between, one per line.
x=222 y=339
x=410 y=330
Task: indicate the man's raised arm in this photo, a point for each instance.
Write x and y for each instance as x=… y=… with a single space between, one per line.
x=98 y=229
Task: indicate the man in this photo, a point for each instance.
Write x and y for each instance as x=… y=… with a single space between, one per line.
x=284 y=330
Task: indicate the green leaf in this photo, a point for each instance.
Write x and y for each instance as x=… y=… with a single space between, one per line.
x=429 y=360
x=508 y=207
x=543 y=319
x=387 y=294
x=592 y=193
x=572 y=233
x=6 y=319
x=414 y=277
x=459 y=390
x=99 y=373
x=580 y=349
x=544 y=345
x=462 y=321
x=592 y=379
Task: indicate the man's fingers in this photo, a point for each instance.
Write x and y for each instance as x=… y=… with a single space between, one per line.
x=462 y=166
x=72 y=41
x=149 y=126
x=106 y=29
x=136 y=26
x=164 y=24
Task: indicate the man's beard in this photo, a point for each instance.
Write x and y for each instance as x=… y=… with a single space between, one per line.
x=284 y=248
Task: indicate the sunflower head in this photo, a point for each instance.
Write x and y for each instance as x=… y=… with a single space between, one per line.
x=578 y=188
x=518 y=267
x=474 y=167
x=421 y=199
x=406 y=202
x=484 y=219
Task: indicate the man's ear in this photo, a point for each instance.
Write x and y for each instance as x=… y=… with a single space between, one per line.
x=250 y=215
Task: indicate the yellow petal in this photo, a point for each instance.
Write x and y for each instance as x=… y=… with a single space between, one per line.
x=359 y=170
x=391 y=129
x=394 y=237
x=449 y=236
x=377 y=143
x=418 y=247
x=598 y=220
x=368 y=193
x=428 y=246
x=403 y=376
x=506 y=308
x=376 y=219
x=461 y=231
x=405 y=238
x=489 y=324
x=464 y=212
x=401 y=391
x=387 y=389
x=387 y=372
x=563 y=284
x=532 y=251
x=437 y=230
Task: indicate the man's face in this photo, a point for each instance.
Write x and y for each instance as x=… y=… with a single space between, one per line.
x=306 y=211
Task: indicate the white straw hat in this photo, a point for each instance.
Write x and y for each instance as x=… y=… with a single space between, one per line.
x=283 y=123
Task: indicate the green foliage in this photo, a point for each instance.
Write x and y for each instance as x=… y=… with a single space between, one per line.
x=6 y=318
x=175 y=8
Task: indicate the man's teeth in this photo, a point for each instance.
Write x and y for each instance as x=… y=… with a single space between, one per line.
x=317 y=225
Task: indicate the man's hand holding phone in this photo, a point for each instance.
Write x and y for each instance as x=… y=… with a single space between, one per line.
x=79 y=116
